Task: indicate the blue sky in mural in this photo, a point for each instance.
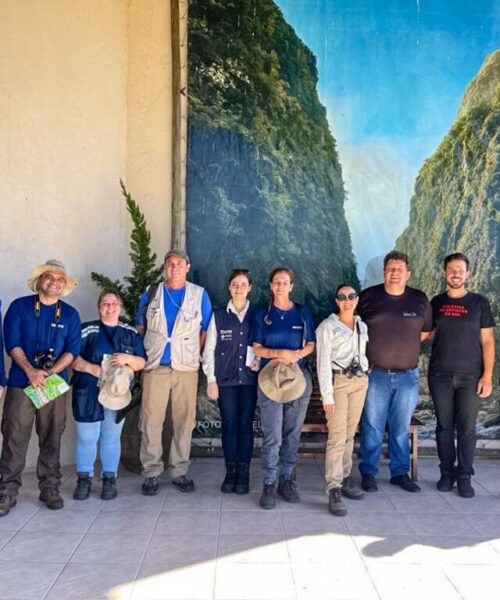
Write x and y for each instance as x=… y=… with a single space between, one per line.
x=391 y=74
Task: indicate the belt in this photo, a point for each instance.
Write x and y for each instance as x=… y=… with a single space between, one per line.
x=390 y=371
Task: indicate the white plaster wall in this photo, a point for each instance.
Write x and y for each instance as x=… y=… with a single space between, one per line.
x=69 y=103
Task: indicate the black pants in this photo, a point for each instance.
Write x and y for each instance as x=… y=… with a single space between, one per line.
x=237 y=407
x=17 y=424
x=456 y=403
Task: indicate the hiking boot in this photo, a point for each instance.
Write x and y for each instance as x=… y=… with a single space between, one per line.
x=183 y=484
x=6 y=503
x=227 y=486
x=446 y=482
x=369 y=483
x=288 y=490
x=335 y=504
x=52 y=498
x=464 y=487
x=405 y=483
x=150 y=486
x=108 y=491
x=351 y=490
x=268 y=499
x=242 y=483
x=83 y=485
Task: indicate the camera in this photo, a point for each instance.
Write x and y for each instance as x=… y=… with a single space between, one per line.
x=354 y=369
x=45 y=360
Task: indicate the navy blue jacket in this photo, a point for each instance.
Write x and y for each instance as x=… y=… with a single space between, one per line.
x=233 y=338
x=86 y=406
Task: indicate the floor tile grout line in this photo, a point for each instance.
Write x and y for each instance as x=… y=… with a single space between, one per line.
x=141 y=562
x=285 y=541
x=72 y=553
x=216 y=565
x=54 y=582
x=364 y=563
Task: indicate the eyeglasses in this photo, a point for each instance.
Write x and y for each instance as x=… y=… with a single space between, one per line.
x=343 y=297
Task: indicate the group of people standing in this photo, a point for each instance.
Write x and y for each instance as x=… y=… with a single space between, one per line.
x=367 y=355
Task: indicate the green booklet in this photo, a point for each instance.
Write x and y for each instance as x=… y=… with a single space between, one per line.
x=54 y=387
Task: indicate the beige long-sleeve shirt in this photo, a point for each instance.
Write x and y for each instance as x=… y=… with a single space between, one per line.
x=336 y=346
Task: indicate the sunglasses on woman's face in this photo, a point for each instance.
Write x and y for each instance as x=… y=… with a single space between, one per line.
x=343 y=297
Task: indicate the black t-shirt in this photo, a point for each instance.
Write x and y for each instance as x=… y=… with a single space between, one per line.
x=394 y=326
x=456 y=345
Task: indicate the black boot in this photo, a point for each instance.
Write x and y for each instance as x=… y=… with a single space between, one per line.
x=108 y=491
x=83 y=485
x=242 y=484
x=227 y=486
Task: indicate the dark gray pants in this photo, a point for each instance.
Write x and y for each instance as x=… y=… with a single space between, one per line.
x=17 y=425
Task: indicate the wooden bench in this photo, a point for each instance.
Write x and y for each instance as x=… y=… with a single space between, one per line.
x=315 y=422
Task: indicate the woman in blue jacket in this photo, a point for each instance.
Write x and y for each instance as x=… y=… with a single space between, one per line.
x=106 y=338
x=231 y=370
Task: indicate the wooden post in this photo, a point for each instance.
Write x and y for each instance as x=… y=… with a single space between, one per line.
x=179 y=10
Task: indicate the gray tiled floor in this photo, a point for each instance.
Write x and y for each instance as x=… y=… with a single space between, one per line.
x=391 y=545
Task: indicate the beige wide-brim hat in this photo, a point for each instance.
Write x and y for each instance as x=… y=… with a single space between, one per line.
x=52 y=265
x=282 y=383
x=115 y=391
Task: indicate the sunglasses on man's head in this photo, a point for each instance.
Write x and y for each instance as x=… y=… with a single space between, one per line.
x=351 y=296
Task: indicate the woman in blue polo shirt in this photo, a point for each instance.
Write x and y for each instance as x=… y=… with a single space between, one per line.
x=231 y=370
x=107 y=336
x=283 y=331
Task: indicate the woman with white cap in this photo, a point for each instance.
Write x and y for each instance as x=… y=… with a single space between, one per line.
x=108 y=346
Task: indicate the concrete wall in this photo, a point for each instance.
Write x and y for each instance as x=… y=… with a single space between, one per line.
x=85 y=99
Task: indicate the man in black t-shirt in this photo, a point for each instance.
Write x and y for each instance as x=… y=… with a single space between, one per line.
x=460 y=372
x=398 y=318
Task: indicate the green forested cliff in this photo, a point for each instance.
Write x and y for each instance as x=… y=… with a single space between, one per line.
x=264 y=181
x=456 y=204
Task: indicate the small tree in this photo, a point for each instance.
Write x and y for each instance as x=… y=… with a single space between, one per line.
x=144 y=270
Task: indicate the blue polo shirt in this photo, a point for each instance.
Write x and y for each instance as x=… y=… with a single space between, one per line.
x=283 y=329
x=171 y=302
x=3 y=379
x=23 y=329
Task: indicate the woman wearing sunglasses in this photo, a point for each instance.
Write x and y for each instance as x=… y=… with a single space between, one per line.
x=342 y=374
x=231 y=370
x=283 y=332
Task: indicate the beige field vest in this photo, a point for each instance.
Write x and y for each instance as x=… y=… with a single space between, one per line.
x=185 y=339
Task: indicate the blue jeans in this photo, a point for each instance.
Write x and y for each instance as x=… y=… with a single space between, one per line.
x=107 y=433
x=237 y=407
x=281 y=427
x=456 y=403
x=392 y=397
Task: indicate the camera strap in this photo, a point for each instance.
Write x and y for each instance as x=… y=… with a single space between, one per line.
x=53 y=330
x=358 y=333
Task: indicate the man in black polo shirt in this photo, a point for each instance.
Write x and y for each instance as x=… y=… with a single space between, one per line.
x=398 y=318
x=460 y=372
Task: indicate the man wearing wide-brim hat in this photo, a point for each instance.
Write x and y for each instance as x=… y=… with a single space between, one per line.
x=42 y=336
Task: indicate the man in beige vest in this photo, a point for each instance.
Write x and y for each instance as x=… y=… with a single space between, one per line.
x=174 y=319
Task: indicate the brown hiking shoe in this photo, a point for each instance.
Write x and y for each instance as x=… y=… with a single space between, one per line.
x=52 y=498
x=6 y=503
